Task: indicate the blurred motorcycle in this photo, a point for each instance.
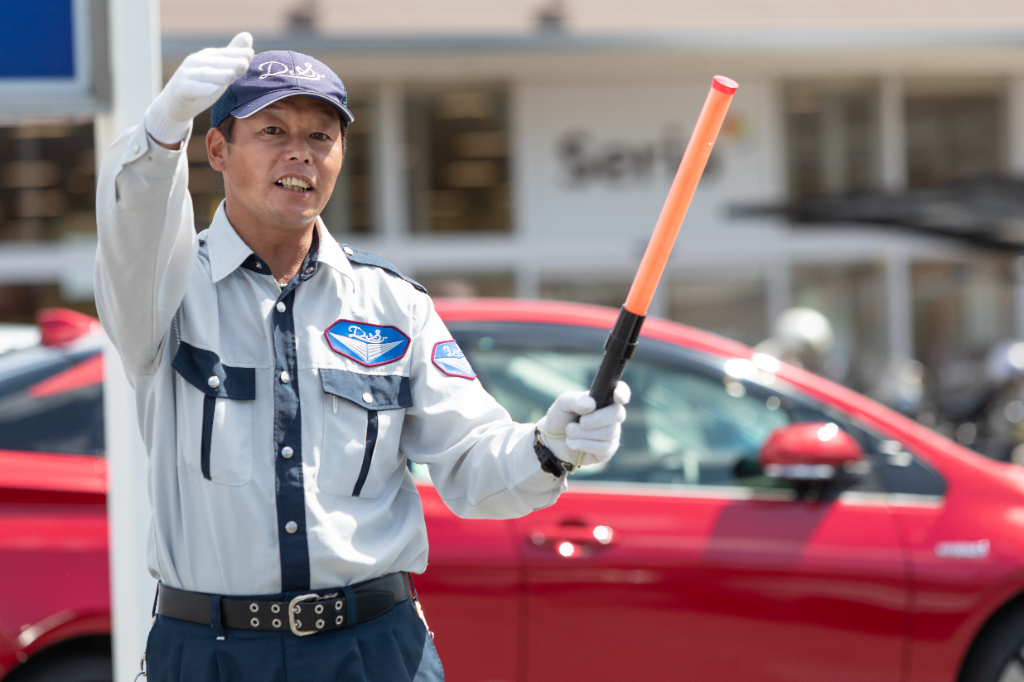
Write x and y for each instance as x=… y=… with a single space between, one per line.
x=1001 y=421
x=981 y=405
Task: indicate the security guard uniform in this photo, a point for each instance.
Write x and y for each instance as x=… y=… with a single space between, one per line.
x=279 y=422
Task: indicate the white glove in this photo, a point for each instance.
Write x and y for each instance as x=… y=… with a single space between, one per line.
x=199 y=82
x=572 y=427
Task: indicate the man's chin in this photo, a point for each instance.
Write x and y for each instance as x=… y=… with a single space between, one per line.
x=294 y=220
x=272 y=216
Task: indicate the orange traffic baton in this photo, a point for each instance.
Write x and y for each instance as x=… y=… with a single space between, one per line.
x=622 y=340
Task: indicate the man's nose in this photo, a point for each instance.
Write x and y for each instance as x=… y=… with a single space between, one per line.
x=300 y=151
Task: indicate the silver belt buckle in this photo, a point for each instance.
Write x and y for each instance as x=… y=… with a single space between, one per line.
x=293 y=609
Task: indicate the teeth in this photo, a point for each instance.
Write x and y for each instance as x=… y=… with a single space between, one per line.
x=293 y=183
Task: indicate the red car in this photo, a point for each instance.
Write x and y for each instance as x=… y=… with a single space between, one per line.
x=758 y=523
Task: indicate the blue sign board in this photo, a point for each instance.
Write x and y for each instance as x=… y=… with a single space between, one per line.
x=37 y=39
x=48 y=64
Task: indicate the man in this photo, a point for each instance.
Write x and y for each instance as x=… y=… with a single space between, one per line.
x=283 y=383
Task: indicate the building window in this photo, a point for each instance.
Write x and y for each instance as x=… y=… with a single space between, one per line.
x=954 y=133
x=735 y=309
x=350 y=209
x=960 y=311
x=832 y=138
x=48 y=194
x=458 y=159
x=47 y=181
x=853 y=299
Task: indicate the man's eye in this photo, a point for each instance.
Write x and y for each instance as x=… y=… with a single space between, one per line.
x=320 y=136
x=271 y=130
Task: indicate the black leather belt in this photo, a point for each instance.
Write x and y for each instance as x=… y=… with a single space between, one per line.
x=306 y=614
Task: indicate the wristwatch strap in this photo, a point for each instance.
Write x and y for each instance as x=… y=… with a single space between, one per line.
x=549 y=462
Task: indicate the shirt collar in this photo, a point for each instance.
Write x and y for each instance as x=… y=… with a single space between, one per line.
x=228 y=252
x=332 y=255
x=226 y=249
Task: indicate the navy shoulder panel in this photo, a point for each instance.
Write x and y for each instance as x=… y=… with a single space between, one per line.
x=367 y=258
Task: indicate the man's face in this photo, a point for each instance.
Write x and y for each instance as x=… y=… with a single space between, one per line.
x=282 y=162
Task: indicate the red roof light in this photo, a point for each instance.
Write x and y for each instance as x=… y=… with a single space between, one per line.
x=59 y=326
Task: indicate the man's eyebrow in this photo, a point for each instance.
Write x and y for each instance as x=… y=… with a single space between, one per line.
x=270 y=116
x=327 y=119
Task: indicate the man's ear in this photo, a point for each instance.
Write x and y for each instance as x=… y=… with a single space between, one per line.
x=217 y=149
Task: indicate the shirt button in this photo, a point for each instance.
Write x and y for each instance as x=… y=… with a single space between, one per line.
x=259 y=266
x=367 y=398
x=291 y=526
x=135 y=148
x=347 y=250
x=281 y=307
x=287 y=452
x=213 y=382
x=285 y=377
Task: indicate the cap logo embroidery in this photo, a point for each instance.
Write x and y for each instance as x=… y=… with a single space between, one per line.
x=273 y=68
x=367 y=344
x=450 y=359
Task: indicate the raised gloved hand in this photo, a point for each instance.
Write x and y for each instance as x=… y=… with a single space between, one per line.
x=199 y=82
x=572 y=426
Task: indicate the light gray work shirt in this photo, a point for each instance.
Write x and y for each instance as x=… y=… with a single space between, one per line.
x=279 y=420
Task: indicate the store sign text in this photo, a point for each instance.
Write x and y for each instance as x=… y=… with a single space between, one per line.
x=586 y=160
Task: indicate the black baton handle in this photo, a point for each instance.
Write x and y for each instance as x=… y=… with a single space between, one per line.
x=620 y=347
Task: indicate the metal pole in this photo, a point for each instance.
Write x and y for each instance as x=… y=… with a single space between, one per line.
x=134 y=42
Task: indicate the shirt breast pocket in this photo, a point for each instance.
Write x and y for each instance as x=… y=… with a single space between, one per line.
x=363 y=417
x=214 y=405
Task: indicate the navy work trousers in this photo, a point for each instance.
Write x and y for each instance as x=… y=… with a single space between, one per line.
x=392 y=648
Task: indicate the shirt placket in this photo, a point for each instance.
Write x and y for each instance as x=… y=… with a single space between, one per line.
x=289 y=489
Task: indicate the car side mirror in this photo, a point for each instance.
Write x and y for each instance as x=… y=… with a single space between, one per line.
x=808 y=452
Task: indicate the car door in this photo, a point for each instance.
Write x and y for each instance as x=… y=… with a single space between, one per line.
x=679 y=559
x=471 y=592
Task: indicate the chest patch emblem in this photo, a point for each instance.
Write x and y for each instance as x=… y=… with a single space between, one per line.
x=450 y=359
x=367 y=344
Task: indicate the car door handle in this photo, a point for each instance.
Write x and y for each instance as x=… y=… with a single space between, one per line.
x=569 y=540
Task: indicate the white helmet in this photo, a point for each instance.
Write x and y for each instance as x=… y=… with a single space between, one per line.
x=800 y=330
x=802 y=337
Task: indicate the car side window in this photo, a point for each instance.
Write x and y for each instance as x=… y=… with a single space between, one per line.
x=694 y=419
x=694 y=429
x=685 y=425
x=903 y=473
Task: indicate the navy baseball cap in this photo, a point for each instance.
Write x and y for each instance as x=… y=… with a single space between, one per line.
x=274 y=75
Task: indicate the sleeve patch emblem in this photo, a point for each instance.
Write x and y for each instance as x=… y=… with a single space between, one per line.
x=368 y=344
x=450 y=359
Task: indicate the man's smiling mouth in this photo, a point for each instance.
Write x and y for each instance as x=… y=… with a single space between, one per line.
x=296 y=184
